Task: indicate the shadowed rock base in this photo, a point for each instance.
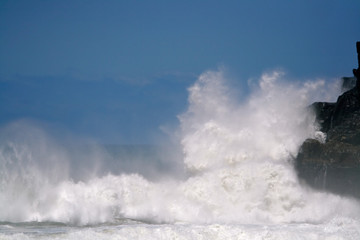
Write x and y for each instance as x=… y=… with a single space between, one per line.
x=332 y=166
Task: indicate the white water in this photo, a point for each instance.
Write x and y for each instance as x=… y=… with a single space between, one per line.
x=242 y=183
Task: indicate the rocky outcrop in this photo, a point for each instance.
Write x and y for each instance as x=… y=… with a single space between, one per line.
x=334 y=165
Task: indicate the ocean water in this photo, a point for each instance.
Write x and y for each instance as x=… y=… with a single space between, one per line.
x=231 y=175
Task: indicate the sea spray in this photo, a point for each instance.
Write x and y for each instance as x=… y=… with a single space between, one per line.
x=241 y=153
x=238 y=155
x=273 y=122
x=30 y=165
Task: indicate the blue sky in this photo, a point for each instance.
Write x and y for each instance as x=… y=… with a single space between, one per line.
x=117 y=70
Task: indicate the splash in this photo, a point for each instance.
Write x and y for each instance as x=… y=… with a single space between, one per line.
x=238 y=154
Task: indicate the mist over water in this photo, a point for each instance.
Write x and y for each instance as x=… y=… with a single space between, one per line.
x=237 y=156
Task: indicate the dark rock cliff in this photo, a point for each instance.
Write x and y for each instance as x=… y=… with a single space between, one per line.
x=334 y=165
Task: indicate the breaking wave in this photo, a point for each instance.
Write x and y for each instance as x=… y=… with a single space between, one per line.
x=238 y=155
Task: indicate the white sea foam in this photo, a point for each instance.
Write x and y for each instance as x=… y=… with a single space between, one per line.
x=339 y=229
x=239 y=159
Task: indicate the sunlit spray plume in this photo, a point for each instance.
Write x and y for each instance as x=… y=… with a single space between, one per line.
x=239 y=155
x=241 y=152
x=270 y=125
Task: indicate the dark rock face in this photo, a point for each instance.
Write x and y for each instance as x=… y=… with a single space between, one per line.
x=335 y=165
x=348 y=83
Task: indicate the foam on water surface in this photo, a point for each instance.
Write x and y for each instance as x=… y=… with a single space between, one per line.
x=339 y=229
